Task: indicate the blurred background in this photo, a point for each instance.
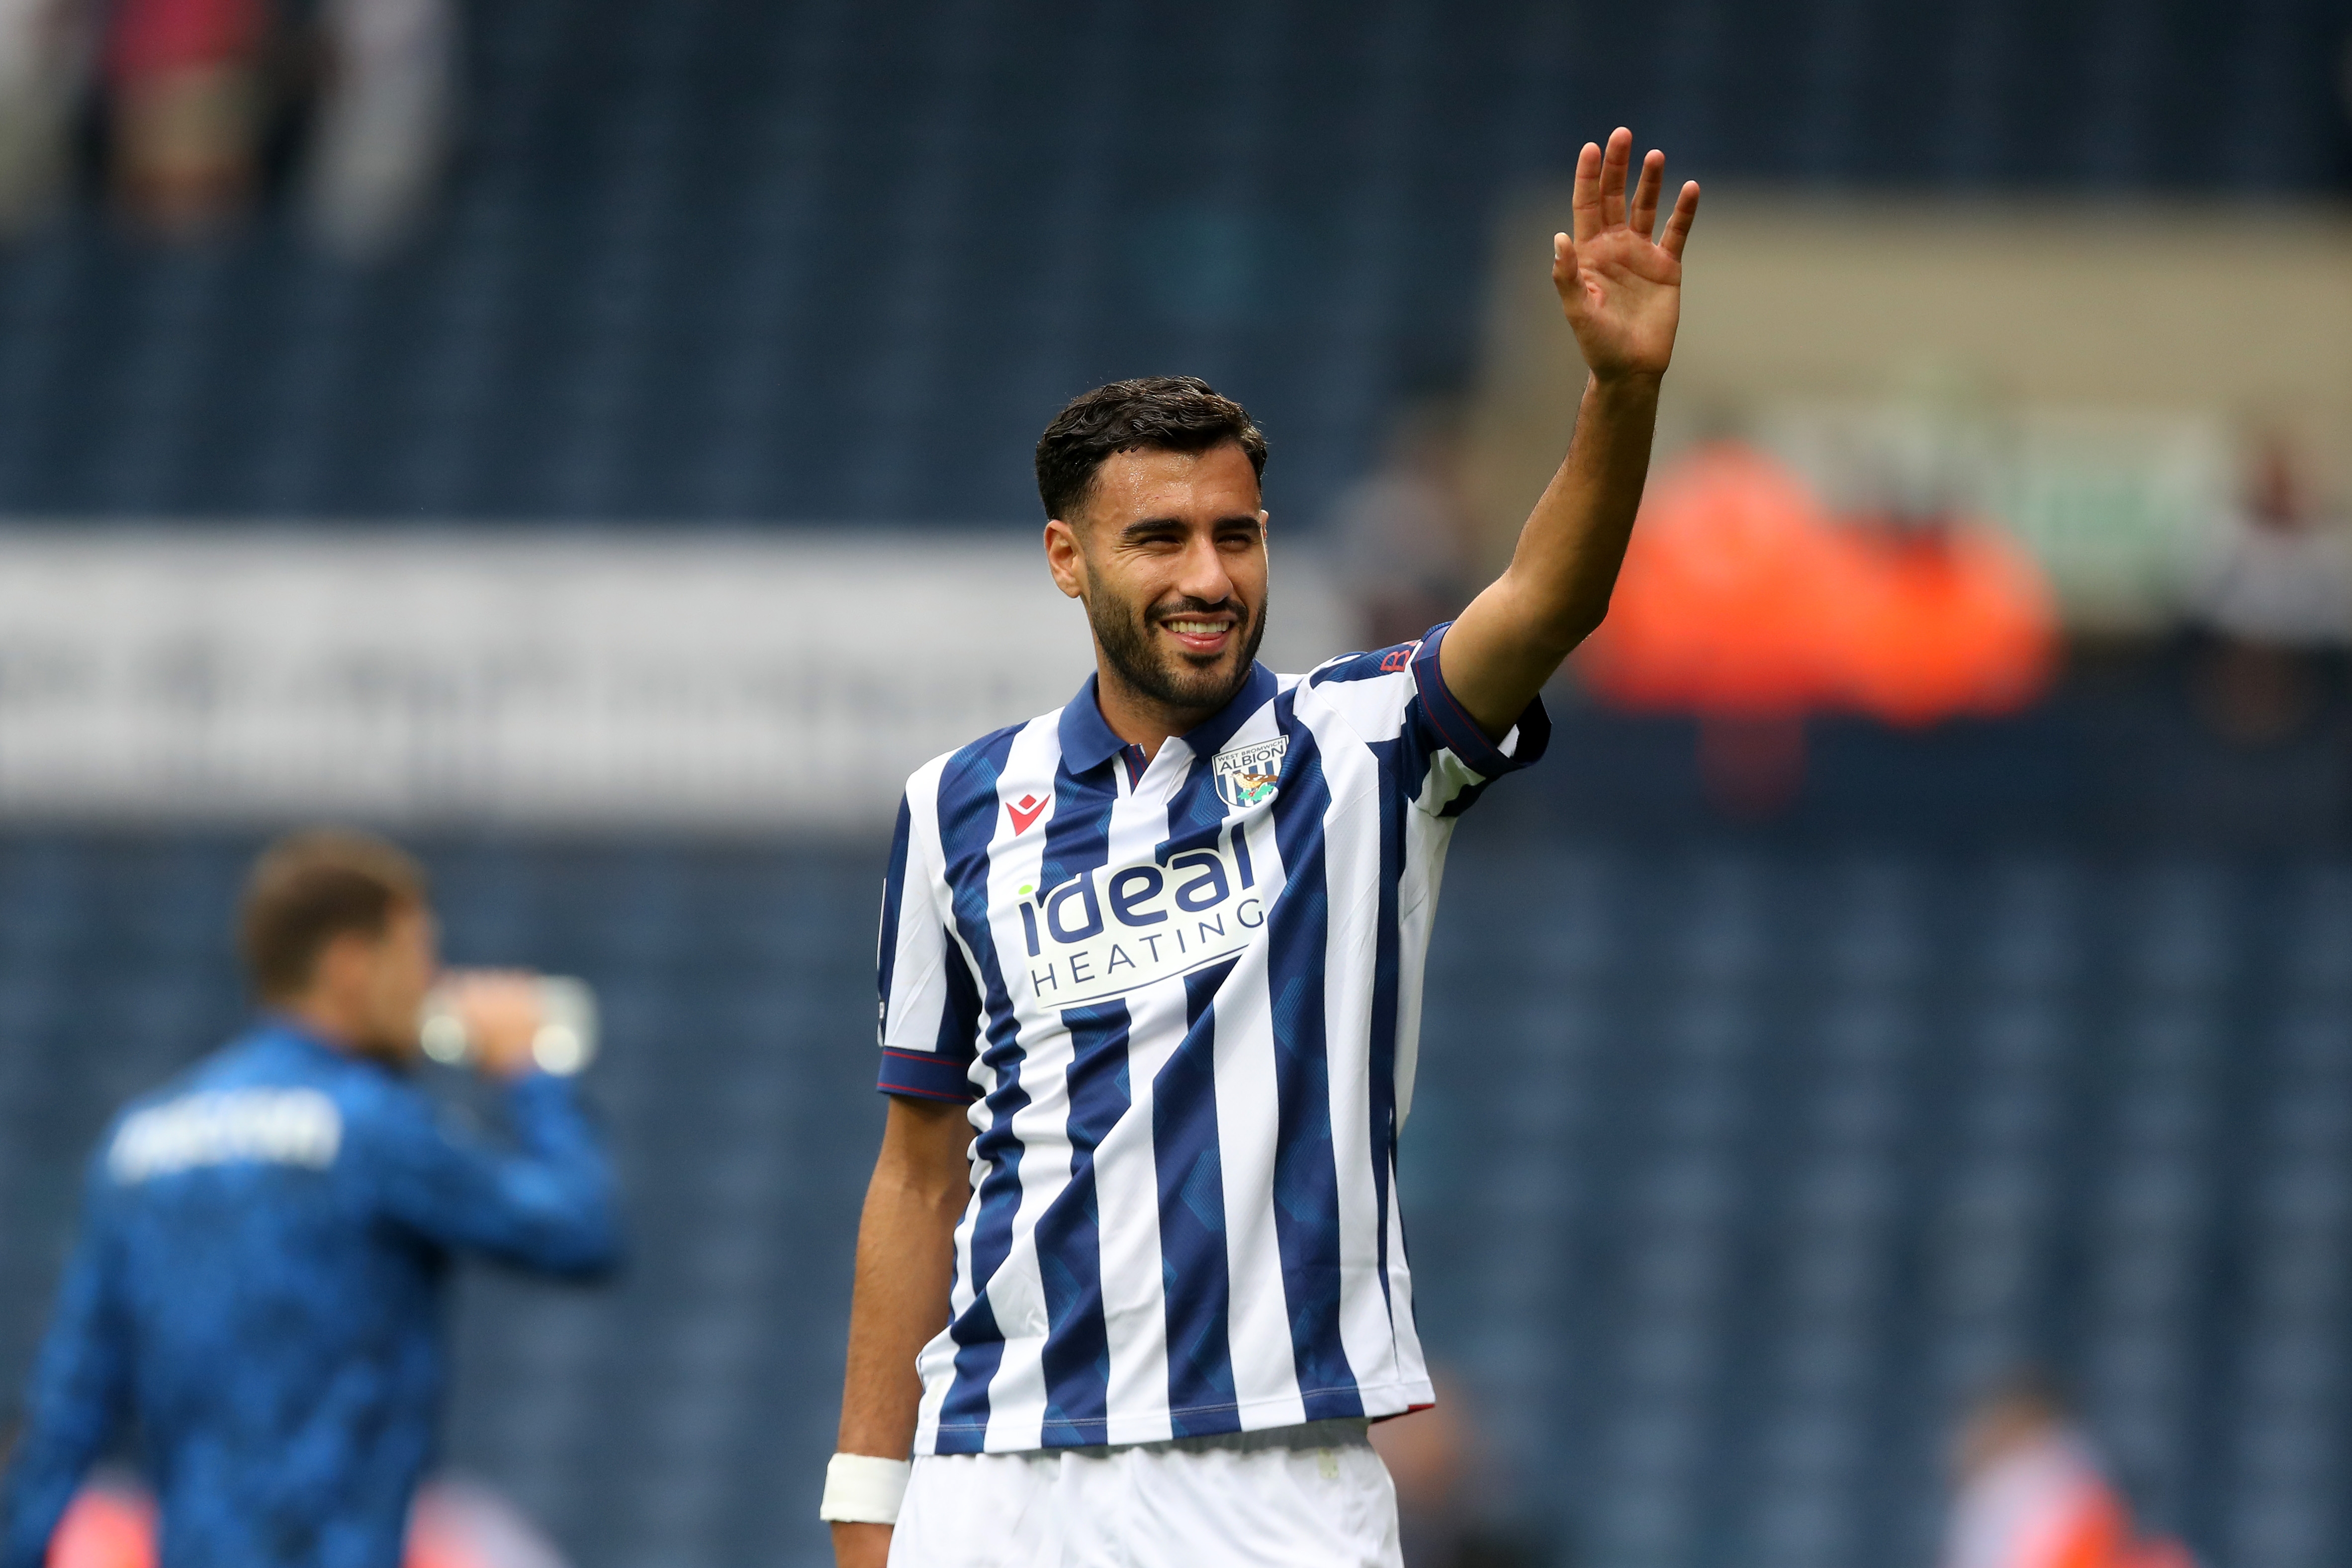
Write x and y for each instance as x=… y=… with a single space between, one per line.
x=591 y=440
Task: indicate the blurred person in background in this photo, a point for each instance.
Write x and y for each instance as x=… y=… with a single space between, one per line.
x=44 y=54
x=1434 y=1458
x=192 y=91
x=2274 y=593
x=1403 y=533
x=2031 y=1493
x=459 y=1524
x=267 y=1240
x=383 y=127
x=184 y=89
x=1427 y=1455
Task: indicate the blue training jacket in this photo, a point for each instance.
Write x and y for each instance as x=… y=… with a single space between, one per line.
x=259 y=1281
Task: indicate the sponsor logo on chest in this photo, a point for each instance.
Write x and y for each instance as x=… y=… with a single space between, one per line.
x=1112 y=930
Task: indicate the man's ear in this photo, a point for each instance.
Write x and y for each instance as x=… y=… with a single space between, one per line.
x=1065 y=558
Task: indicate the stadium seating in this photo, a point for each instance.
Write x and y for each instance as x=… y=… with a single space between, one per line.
x=721 y=260
x=1734 y=1167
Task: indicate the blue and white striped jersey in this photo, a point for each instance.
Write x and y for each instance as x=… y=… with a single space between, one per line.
x=1183 y=999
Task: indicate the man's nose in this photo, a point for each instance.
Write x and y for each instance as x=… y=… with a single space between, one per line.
x=1201 y=573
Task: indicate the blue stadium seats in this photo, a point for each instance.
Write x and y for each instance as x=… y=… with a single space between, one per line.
x=1830 y=1144
x=741 y=259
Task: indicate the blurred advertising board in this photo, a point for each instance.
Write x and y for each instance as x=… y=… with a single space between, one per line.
x=2119 y=506
x=2066 y=370
x=785 y=680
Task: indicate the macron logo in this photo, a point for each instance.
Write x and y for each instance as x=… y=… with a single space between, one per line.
x=1025 y=813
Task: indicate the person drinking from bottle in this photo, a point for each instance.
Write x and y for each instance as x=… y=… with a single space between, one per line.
x=267 y=1240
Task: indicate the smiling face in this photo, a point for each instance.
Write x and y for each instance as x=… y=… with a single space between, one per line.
x=1169 y=555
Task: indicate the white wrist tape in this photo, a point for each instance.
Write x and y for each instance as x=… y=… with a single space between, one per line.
x=862 y=1489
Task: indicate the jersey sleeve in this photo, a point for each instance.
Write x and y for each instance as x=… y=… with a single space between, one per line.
x=930 y=1001
x=80 y=1387
x=548 y=1202
x=1441 y=760
x=1456 y=761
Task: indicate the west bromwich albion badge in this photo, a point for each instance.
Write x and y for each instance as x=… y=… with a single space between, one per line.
x=1247 y=775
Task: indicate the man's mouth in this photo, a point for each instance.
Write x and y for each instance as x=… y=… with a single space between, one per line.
x=1199 y=634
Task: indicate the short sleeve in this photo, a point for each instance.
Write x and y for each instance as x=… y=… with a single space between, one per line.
x=1457 y=761
x=930 y=1004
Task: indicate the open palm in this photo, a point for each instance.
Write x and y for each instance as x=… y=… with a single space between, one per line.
x=1623 y=291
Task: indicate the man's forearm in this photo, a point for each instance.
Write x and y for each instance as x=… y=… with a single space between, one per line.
x=1567 y=554
x=1622 y=292
x=1557 y=588
x=905 y=1266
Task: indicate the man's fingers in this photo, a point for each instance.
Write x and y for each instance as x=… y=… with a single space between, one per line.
x=1679 y=225
x=1643 y=217
x=1599 y=199
x=1613 y=177
x=1567 y=278
x=1584 y=201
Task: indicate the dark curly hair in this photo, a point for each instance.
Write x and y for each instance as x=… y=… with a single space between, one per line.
x=1168 y=413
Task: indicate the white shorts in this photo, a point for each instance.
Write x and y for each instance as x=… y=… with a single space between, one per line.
x=1300 y=1497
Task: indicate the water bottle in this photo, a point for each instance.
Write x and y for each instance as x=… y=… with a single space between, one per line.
x=566 y=1040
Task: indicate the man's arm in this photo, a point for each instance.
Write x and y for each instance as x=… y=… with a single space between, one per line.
x=551 y=1203
x=905 y=1265
x=1622 y=294
x=81 y=1385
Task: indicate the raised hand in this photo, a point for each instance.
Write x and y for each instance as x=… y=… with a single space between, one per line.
x=1622 y=289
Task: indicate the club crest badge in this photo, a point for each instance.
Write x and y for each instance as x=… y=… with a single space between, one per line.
x=1248 y=775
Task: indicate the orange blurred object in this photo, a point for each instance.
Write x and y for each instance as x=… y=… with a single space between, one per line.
x=2045 y=1504
x=1742 y=599
x=1955 y=621
x=455 y=1525
x=1713 y=608
x=105 y=1527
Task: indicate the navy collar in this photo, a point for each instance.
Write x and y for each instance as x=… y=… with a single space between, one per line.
x=1089 y=741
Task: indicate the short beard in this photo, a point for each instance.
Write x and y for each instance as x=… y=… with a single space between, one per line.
x=1125 y=638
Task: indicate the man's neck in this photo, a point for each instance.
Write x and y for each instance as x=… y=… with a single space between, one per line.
x=333 y=1026
x=1139 y=720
